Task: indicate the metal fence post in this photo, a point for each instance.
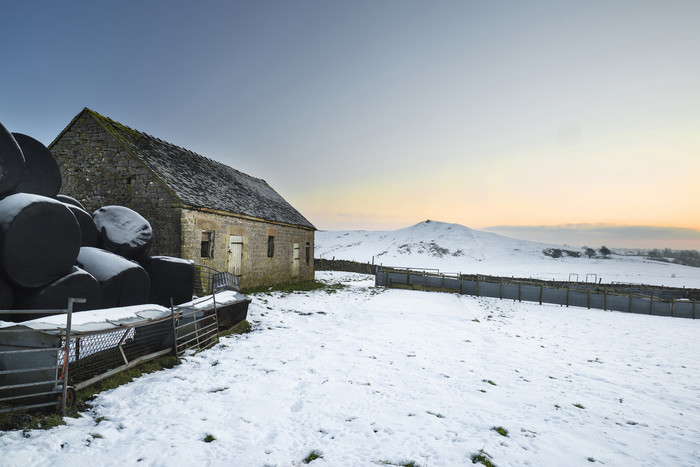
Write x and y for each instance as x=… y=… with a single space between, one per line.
x=589 y=299
x=172 y=319
x=605 y=299
x=69 y=322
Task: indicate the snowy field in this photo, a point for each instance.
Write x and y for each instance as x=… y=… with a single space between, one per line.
x=382 y=377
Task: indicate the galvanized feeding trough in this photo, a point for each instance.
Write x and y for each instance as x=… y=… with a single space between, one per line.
x=37 y=356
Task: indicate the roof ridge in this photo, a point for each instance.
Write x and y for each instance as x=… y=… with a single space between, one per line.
x=202 y=182
x=175 y=146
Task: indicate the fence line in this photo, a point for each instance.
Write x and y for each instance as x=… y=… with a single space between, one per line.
x=660 y=301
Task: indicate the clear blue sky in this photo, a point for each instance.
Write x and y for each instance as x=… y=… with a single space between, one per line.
x=554 y=120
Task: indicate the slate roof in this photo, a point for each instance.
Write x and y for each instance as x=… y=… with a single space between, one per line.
x=202 y=182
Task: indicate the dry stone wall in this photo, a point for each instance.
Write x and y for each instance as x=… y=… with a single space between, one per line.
x=98 y=171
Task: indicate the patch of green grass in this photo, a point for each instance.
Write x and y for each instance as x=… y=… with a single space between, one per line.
x=295 y=287
x=209 y=438
x=313 y=455
x=438 y=415
x=590 y=459
x=482 y=457
x=500 y=430
x=30 y=421
x=243 y=327
x=401 y=463
x=489 y=381
x=579 y=406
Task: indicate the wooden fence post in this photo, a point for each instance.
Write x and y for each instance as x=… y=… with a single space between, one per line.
x=568 y=291
x=651 y=305
x=673 y=306
x=500 y=289
x=520 y=297
x=630 y=309
x=541 y=287
x=589 y=299
x=477 y=286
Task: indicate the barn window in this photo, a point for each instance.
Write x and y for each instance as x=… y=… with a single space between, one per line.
x=207 y=245
x=308 y=252
x=270 y=246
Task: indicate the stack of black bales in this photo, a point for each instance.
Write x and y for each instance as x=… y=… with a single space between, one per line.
x=51 y=248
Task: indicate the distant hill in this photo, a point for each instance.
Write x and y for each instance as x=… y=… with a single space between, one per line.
x=456 y=248
x=426 y=243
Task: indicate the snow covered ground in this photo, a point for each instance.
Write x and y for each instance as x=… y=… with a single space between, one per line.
x=456 y=248
x=379 y=377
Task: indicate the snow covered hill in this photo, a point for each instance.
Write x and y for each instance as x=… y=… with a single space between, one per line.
x=456 y=248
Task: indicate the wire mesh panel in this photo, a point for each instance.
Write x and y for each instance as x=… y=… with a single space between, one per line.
x=96 y=354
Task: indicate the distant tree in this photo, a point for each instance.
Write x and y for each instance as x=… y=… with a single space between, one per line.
x=605 y=251
x=590 y=252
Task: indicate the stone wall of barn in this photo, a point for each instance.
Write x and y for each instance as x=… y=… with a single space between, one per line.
x=98 y=171
x=258 y=269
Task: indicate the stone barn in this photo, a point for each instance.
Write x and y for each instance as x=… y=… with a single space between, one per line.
x=199 y=209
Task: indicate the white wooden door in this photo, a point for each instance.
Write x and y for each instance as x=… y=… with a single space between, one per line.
x=295 y=260
x=235 y=255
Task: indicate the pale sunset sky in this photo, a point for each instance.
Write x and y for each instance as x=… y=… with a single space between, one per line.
x=571 y=122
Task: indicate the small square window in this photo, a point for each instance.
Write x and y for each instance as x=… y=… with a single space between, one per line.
x=270 y=246
x=207 y=245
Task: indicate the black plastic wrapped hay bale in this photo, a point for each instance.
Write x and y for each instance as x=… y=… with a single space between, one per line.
x=123 y=231
x=78 y=283
x=7 y=296
x=39 y=239
x=123 y=282
x=88 y=230
x=11 y=162
x=41 y=173
x=170 y=277
x=70 y=200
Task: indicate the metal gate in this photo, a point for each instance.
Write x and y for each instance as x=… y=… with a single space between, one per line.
x=33 y=372
x=195 y=327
